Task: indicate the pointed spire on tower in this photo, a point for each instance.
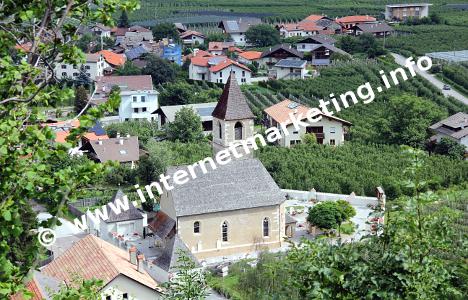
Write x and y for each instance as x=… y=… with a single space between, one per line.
x=232 y=104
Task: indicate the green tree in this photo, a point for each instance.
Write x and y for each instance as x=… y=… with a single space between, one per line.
x=347 y=211
x=123 y=20
x=177 y=93
x=449 y=147
x=262 y=35
x=216 y=37
x=309 y=139
x=189 y=283
x=144 y=130
x=27 y=148
x=165 y=30
x=81 y=99
x=160 y=69
x=324 y=215
x=129 y=68
x=186 y=127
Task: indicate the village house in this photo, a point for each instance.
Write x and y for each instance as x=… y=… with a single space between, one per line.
x=289 y=69
x=133 y=36
x=236 y=29
x=166 y=114
x=401 y=12
x=349 y=22
x=93 y=67
x=128 y=223
x=122 y=273
x=101 y=30
x=138 y=97
x=217 y=69
x=125 y=150
x=376 y=29
x=328 y=130
x=192 y=38
x=309 y=43
x=173 y=53
x=273 y=55
x=249 y=57
x=181 y=28
x=454 y=127
x=114 y=60
x=219 y=48
x=320 y=55
x=313 y=24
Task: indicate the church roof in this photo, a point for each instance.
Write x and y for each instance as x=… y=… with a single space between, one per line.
x=232 y=105
x=241 y=184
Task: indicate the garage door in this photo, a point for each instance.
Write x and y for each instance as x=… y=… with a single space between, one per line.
x=128 y=228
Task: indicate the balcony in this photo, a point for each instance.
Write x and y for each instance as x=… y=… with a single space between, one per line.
x=139 y=104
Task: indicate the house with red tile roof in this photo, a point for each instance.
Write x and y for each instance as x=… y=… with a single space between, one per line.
x=350 y=21
x=216 y=69
x=113 y=59
x=327 y=129
x=248 y=57
x=313 y=24
x=123 y=273
x=219 y=48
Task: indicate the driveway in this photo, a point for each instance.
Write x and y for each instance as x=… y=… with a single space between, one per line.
x=434 y=80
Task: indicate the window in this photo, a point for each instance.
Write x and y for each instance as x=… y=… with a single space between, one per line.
x=74 y=67
x=220 y=74
x=303 y=46
x=135 y=110
x=134 y=98
x=108 y=297
x=266 y=227
x=243 y=73
x=332 y=142
x=143 y=99
x=64 y=66
x=295 y=132
x=88 y=67
x=332 y=129
x=64 y=74
x=125 y=296
x=238 y=131
x=143 y=109
x=220 y=130
x=126 y=119
x=196 y=227
x=75 y=74
x=224 y=231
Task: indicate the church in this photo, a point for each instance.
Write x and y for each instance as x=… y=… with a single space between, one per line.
x=236 y=208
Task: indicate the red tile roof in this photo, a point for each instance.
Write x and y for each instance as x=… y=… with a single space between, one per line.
x=219 y=46
x=251 y=55
x=92 y=257
x=226 y=63
x=113 y=58
x=314 y=18
x=33 y=287
x=356 y=19
x=191 y=32
x=199 y=61
x=305 y=26
x=280 y=112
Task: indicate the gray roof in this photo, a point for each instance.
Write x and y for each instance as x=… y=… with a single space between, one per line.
x=136 y=52
x=112 y=149
x=161 y=224
x=48 y=286
x=204 y=110
x=239 y=26
x=125 y=215
x=374 y=27
x=289 y=219
x=240 y=184
x=232 y=104
x=168 y=260
x=319 y=39
x=455 y=126
x=285 y=47
x=329 y=47
x=291 y=63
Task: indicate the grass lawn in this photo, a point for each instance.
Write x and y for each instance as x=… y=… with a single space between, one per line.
x=226 y=286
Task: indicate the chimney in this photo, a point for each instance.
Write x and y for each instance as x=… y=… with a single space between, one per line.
x=295 y=111
x=140 y=259
x=133 y=255
x=121 y=141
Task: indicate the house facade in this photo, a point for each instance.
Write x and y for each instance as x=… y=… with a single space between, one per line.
x=289 y=69
x=138 y=97
x=401 y=12
x=217 y=69
x=376 y=29
x=273 y=55
x=173 y=53
x=93 y=67
x=349 y=22
x=191 y=37
x=328 y=130
x=236 y=29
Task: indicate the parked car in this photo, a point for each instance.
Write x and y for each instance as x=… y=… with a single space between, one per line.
x=446 y=87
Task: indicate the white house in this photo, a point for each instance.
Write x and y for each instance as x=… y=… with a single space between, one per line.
x=101 y=30
x=402 y=12
x=93 y=67
x=191 y=37
x=454 y=127
x=123 y=273
x=138 y=97
x=289 y=69
x=273 y=55
x=236 y=29
x=217 y=69
x=219 y=48
x=310 y=43
x=328 y=130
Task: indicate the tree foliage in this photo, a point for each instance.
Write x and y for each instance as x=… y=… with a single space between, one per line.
x=27 y=149
x=123 y=20
x=165 y=30
x=447 y=146
x=324 y=215
x=129 y=68
x=160 y=69
x=186 y=127
x=81 y=98
x=262 y=35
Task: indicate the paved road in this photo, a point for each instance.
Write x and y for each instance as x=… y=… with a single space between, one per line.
x=434 y=80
